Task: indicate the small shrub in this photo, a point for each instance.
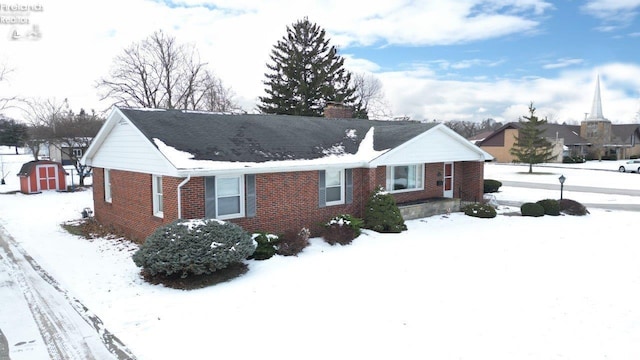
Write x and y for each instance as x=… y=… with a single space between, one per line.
x=573 y=159
x=342 y=229
x=532 y=209
x=292 y=243
x=381 y=213
x=550 y=206
x=484 y=211
x=193 y=247
x=491 y=186
x=572 y=207
x=266 y=245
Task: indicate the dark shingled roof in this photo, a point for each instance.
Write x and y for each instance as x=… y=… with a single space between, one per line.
x=260 y=138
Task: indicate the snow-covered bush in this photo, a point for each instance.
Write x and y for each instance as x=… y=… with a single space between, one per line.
x=531 y=209
x=381 y=213
x=484 y=211
x=342 y=229
x=551 y=206
x=292 y=243
x=193 y=247
x=266 y=245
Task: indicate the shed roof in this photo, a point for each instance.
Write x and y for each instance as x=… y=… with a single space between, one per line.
x=27 y=168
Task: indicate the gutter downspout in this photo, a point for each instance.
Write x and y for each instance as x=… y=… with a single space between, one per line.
x=180 y=195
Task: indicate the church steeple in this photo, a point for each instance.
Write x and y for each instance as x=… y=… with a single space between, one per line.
x=596 y=106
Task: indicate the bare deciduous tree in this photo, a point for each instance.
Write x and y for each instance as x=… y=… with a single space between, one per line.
x=369 y=92
x=6 y=102
x=42 y=116
x=158 y=72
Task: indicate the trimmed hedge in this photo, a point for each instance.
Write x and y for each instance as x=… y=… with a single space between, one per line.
x=193 y=247
x=491 y=186
x=572 y=207
x=551 y=206
x=532 y=209
x=484 y=211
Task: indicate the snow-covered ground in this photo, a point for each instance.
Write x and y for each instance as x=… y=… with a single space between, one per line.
x=451 y=287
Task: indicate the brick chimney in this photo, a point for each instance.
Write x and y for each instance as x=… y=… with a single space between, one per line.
x=336 y=110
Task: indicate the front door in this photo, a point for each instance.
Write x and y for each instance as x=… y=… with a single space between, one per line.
x=47 y=177
x=448 y=180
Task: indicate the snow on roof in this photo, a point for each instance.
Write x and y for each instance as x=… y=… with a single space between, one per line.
x=183 y=160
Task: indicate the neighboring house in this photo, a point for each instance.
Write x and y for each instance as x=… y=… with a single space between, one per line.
x=595 y=137
x=60 y=153
x=269 y=173
x=565 y=138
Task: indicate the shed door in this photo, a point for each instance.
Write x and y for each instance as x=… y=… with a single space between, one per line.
x=47 y=177
x=448 y=180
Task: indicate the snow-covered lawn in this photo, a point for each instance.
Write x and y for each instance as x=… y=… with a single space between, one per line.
x=451 y=287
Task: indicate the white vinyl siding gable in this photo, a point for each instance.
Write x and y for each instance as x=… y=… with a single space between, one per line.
x=439 y=144
x=126 y=148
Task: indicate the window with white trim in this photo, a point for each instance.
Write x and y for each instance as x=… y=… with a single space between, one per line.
x=229 y=197
x=334 y=187
x=157 y=195
x=405 y=178
x=107 y=185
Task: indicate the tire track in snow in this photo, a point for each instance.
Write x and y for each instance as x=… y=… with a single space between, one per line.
x=60 y=335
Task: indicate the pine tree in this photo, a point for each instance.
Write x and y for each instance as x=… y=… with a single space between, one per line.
x=306 y=73
x=531 y=147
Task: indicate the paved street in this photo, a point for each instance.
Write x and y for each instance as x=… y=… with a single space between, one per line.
x=46 y=323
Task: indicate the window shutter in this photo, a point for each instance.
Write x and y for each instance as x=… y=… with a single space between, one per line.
x=348 y=179
x=210 y=197
x=250 y=181
x=322 y=191
x=389 y=179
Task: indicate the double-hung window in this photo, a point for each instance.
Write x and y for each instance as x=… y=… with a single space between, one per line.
x=334 y=187
x=405 y=178
x=225 y=197
x=157 y=195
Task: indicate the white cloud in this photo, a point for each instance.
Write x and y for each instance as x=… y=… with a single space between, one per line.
x=561 y=63
x=615 y=13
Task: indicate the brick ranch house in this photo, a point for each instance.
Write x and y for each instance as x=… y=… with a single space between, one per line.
x=268 y=172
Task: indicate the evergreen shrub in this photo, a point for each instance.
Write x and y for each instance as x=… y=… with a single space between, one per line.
x=193 y=247
x=266 y=245
x=342 y=229
x=491 y=186
x=292 y=243
x=532 y=209
x=572 y=207
x=551 y=206
x=382 y=214
x=478 y=210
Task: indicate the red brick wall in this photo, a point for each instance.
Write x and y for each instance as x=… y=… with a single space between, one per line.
x=284 y=201
x=131 y=209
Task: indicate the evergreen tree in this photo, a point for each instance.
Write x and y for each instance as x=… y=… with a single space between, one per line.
x=12 y=133
x=531 y=147
x=306 y=73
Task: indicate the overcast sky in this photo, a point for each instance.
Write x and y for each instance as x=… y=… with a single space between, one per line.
x=437 y=59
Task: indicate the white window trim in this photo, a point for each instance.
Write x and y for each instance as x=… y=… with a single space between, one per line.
x=155 y=194
x=391 y=173
x=107 y=185
x=241 y=214
x=342 y=189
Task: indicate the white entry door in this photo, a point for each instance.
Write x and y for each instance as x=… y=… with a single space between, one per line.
x=448 y=180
